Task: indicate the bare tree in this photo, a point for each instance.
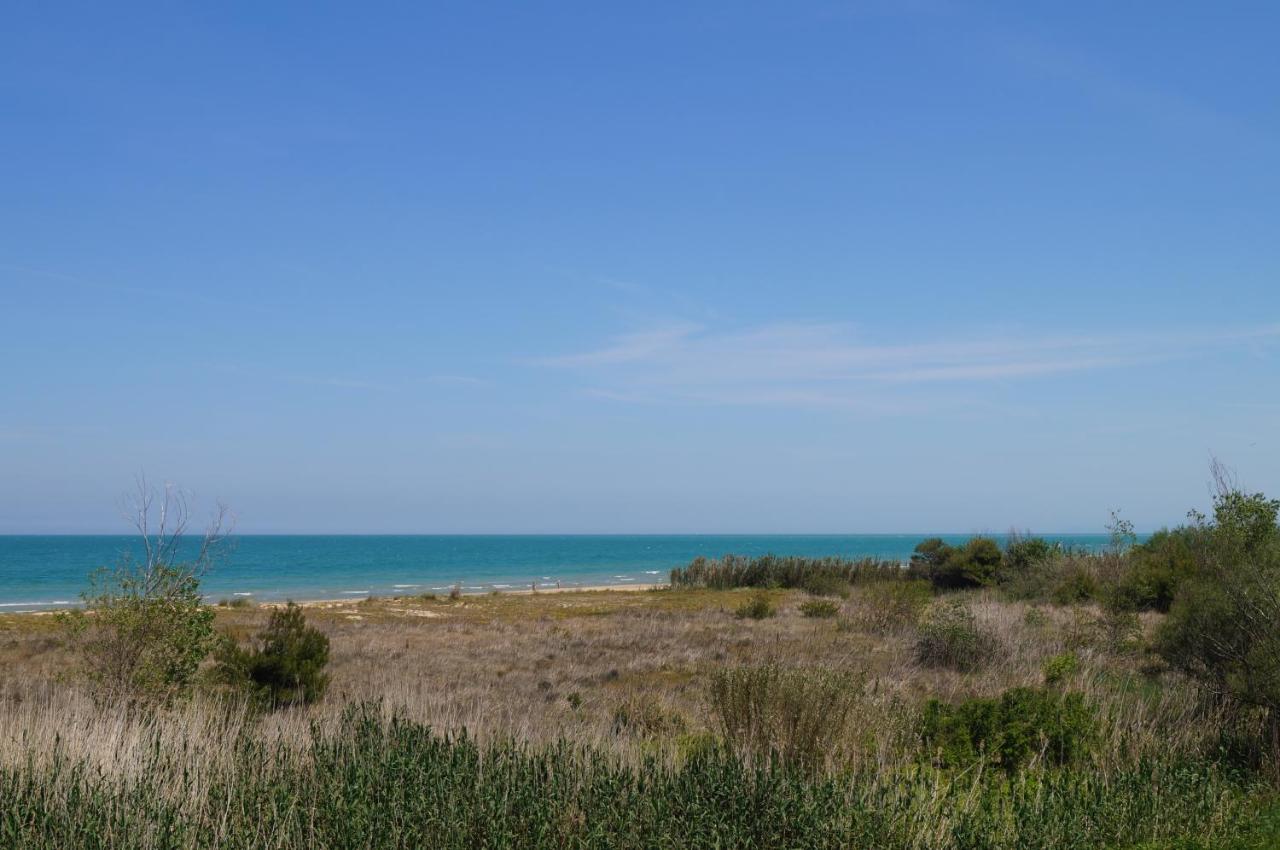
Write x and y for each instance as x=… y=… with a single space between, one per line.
x=162 y=529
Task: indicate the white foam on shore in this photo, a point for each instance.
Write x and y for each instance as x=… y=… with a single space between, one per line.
x=243 y=593
x=502 y=585
x=652 y=572
x=405 y=586
x=30 y=604
x=355 y=591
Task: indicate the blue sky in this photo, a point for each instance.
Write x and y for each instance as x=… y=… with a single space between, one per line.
x=558 y=267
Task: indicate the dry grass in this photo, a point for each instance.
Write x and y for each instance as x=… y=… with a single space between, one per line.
x=546 y=666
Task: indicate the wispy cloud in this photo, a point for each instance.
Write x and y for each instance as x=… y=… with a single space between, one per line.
x=801 y=364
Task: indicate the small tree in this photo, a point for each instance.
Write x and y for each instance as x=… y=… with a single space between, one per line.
x=145 y=629
x=285 y=667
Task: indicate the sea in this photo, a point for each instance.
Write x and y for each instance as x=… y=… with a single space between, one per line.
x=51 y=572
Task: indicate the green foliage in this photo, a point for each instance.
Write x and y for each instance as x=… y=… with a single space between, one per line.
x=1075 y=583
x=378 y=786
x=146 y=630
x=795 y=714
x=819 y=608
x=1059 y=668
x=1156 y=568
x=1023 y=554
x=820 y=576
x=820 y=583
x=285 y=666
x=1224 y=624
x=758 y=607
x=929 y=556
x=1023 y=724
x=950 y=636
x=975 y=564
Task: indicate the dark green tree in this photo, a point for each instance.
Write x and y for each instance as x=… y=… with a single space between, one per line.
x=286 y=664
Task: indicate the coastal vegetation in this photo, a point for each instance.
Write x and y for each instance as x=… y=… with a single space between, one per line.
x=1021 y=695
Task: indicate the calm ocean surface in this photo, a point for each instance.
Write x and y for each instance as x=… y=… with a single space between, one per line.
x=41 y=572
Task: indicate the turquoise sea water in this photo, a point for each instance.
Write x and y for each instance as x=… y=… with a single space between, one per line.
x=42 y=572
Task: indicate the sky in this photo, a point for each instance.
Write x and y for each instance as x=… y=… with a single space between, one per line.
x=641 y=268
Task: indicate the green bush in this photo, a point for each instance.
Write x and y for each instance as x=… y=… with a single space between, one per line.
x=950 y=636
x=1076 y=582
x=285 y=667
x=819 y=608
x=1061 y=667
x=1023 y=724
x=1156 y=569
x=145 y=628
x=1030 y=566
x=825 y=584
x=756 y=608
x=795 y=714
x=975 y=564
x=146 y=633
x=1023 y=553
x=1224 y=625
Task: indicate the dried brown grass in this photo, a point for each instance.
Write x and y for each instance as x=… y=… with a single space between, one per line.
x=543 y=667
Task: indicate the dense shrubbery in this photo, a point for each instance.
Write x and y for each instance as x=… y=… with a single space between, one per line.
x=284 y=667
x=1223 y=627
x=821 y=576
x=974 y=564
x=1024 y=553
x=1156 y=568
x=1023 y=724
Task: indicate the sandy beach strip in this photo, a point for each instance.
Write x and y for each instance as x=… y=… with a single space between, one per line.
x=515 y=591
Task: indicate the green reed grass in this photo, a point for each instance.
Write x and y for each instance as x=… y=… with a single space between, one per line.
x=820 y=575
x=376 y=784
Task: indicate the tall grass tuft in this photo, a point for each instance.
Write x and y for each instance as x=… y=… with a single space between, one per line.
x=796 y=714
x=822 y=576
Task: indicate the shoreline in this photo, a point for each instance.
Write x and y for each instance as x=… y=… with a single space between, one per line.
x=330 y=602
x=589 y=588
